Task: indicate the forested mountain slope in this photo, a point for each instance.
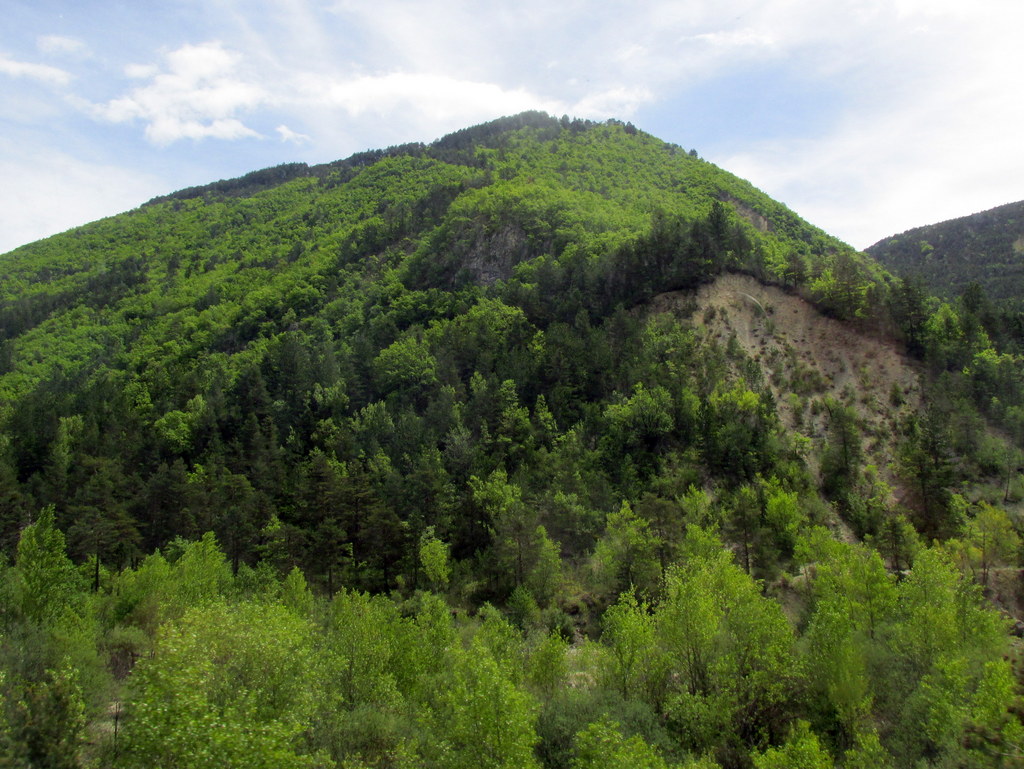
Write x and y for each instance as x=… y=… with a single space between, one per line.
x=547 y=443
x=985 y=248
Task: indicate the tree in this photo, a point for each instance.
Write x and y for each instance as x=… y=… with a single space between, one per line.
x=908 y=301
x=837 y=658
x=993 y=539
x=163 y=508
x=948 y=648
x=898 y=542
x=381 y=536
x=545 y=576
x=326 y=497
x=226 y=686
x=199 y=575
x=841 y=459
x=358 y=661
x=783 y=515
x=924 y=457
x=295 y=593
x=434 y=559
x=478 y=718
x=603 y=746
x=639 y=425
x=512 y=524
x=744 y=524
x=547 y=665
x=667 y=522
x=729 y=648
x=867 y=753
x=689 y=618
x=45 y=721
x=14 y=507
x=47 y=582
x=736 y=427
x=855 y=577
x=628 y=633
x=241 y=517
x=406 y=367
x=801 y=750
x=626 y=555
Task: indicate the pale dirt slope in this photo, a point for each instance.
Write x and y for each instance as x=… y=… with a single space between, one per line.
x=806 y=358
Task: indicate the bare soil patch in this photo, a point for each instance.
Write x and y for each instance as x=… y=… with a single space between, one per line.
x=806 y=358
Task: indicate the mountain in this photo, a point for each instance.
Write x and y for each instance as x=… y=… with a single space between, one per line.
x=546 y=443
x=985 y=248
x=251 y=326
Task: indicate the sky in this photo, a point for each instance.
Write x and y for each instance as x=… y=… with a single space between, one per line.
x=866 y=117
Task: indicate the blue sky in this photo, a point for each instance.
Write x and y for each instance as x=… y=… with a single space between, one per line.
x=867 y=117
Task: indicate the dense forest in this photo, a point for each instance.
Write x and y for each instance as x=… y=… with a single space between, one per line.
x=986 y=248
x=440 y=455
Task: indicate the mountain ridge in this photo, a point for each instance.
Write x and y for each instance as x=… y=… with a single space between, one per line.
x=986 y=248
x=447 y=147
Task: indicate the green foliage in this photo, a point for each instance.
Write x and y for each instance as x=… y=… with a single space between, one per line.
x=629 y=636
x=46 y=582
x=226 y=685
x=867 y=753
x=626 y=556
x=993 y=540
x=44 y=723
x=934 y=253
x=295 y=593
x=736 y=429
x=480 y=718
x=464 y=367
x=434 y=559
x=729 y=650
x=547 y=666
x=802 y=750
x=602 y=745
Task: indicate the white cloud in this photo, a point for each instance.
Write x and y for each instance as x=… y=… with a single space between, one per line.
x=619 y=102
x=920 y=142
x=196 y=63
x=203 y=91
x=141 y=71
x=288 y=135
x=436 y=97
x=42 y=72
x=164 y=129
x=60 y=44
x=198 y=95
x=737 y=38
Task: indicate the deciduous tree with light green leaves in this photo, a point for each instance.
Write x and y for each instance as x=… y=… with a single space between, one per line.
x=730 y=649
x=478 y=718
x=802 y=750
x=603 y=746
x=434 y=559
x=627 y=555
x=993 y=540
x=227 y=685
x=47 y=583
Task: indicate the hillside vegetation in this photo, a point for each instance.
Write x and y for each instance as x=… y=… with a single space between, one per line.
x=546 y=444
x=985 y=248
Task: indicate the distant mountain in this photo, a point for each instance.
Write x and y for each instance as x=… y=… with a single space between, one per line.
x=985 y=248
